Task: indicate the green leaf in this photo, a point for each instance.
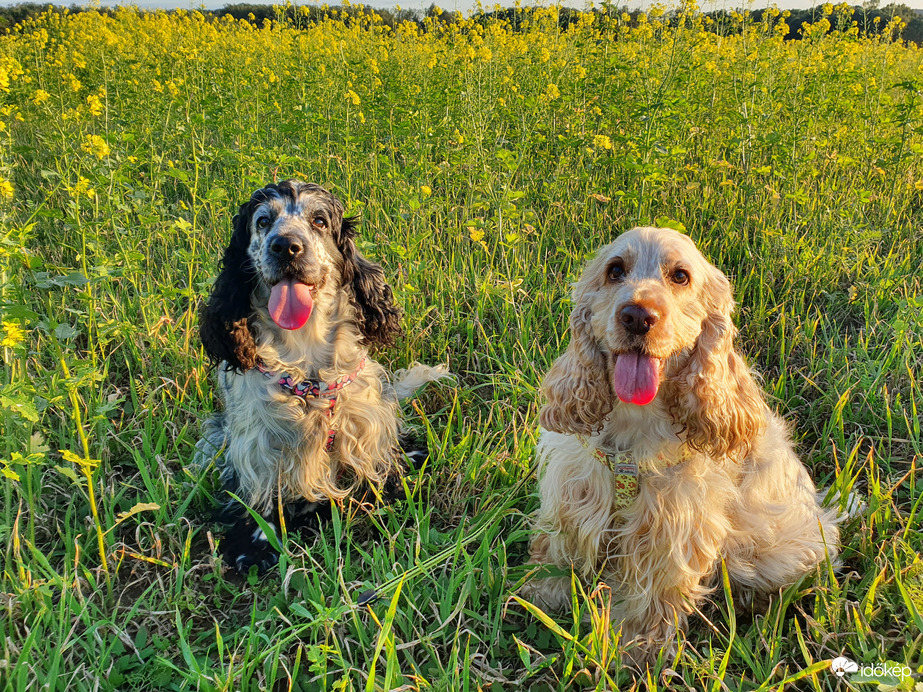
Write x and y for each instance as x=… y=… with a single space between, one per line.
x=667 y=222
x=263 y=524
x=69 y=472
x=18 y=404
x=383 y=635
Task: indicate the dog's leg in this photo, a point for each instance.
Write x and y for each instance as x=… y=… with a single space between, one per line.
x=213 y=442
x=667 y=549
x=246 y=544
x=574 y=522
x=548 y=593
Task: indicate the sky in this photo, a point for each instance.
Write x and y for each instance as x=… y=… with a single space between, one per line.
x=467 y=5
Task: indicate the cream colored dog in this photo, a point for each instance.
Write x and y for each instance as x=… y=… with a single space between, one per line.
x=659 y=456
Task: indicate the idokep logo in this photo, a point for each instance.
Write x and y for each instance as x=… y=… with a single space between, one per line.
x=842 y=665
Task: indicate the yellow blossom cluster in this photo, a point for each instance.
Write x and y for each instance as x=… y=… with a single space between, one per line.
x=95 y=145
x=12 y=334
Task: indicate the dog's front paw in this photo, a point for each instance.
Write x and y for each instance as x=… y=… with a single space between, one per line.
x=413 y=449
x=246 y=545
x=643 y=648
x=550 y=594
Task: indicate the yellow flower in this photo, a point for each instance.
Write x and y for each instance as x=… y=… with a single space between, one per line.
x=74 y=83
x=81 y=188
x=6 y=188
x=40 y=96
x=96 y=145
x=602 y=142
x=426 y=190
x=13 y=334
x=353 y=97
x=477 y=235
x=552 y=92
x=95 y=104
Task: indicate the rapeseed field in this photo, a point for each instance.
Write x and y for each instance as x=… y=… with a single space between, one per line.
x=487 y=158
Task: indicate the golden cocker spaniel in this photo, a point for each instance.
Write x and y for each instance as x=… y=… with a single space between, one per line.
x=659 y=456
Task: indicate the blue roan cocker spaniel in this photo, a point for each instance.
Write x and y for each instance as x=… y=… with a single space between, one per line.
x=308 y=416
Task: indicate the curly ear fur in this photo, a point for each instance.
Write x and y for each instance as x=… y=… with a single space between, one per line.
x=577 y=387
x=378 y=317
x=716 y=399
x=223 y=319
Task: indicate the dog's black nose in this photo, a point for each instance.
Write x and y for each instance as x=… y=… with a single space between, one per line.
x=636 y=319
x=285 y=248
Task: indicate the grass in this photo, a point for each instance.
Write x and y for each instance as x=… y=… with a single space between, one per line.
x=486 y=165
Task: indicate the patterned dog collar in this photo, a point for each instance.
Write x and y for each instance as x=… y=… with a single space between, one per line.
x=625 y=470
x=311 y=389
x=314 y=389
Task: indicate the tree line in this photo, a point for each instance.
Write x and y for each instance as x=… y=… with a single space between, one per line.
x=869 y=18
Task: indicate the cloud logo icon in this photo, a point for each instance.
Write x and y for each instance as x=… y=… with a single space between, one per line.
x=842 y=665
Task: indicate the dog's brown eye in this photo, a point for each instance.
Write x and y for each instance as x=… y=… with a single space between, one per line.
x=616 y=272
x=320 y=222
x=680 y=277
x=262 y=223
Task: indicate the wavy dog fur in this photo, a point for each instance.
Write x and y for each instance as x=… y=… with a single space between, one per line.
x=718 y=475
x=272 y=445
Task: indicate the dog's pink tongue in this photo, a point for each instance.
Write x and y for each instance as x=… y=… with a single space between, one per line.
x=636 y=378
x=290 y=304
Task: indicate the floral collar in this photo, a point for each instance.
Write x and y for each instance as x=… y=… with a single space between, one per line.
x=625 y=470
x=314 y=389
x=311 y=389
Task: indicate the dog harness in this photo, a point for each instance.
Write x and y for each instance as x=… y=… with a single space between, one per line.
x=314 y=389
x=625 y=470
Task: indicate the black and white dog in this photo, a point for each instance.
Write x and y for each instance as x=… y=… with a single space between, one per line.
x=308 y=416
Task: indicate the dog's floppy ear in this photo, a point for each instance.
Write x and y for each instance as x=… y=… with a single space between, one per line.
x=223 y=319
x=378 y=316
x=717 y=401
x=577 y=387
